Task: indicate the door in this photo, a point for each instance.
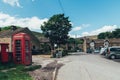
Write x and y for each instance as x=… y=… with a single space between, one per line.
x=27 y=51
x=118 y=52
x=18 y=51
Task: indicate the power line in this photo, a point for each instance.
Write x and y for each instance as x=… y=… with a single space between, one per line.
x=61 y=6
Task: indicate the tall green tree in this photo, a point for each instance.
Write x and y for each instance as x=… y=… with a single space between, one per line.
x=8 y=27
x=101 y=35
x=57 y=29
x=116 y=33
x=113 y=34
x=108 y=35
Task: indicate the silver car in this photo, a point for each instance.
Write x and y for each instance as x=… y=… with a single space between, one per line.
x=113 y=52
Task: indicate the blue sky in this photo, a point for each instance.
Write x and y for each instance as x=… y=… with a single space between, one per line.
x=88 y=17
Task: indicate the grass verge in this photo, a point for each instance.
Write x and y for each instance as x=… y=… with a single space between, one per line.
x=16 y=72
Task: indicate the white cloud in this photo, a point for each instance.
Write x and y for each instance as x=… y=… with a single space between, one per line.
x=74 y=36
x=85 y=34
x=71 y=23
x=32 y=23
x=13 y=2
x=85 y=25
x=103 y=29
x=78 y=28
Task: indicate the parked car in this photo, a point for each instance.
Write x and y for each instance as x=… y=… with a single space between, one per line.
x=89 y=51
x=113 y=52
x=103 y=51
x=96 y=51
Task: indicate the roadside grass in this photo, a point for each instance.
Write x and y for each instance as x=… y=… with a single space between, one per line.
x=32 y=68
x=16 y=72
x=7 y=66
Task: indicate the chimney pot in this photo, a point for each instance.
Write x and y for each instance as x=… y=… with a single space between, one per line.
x=13 y=28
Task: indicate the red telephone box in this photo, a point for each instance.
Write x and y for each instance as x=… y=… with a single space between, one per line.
x=4 y=52
x=22 y=49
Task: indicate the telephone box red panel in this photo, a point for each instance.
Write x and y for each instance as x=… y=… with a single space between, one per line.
x=22 y=49
x=4 y=52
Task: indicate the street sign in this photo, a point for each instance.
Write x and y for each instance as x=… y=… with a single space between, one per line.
x=92 y=44
x=106 y=44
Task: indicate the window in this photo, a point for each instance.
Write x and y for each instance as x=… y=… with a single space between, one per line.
x=18 y=50
x=115 y=49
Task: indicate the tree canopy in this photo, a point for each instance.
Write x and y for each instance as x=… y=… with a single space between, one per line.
x=113 y=34
x=57 y=29
x=7 y=28
x=75 y=41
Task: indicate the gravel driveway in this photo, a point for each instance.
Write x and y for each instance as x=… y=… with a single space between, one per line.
x=49 y=68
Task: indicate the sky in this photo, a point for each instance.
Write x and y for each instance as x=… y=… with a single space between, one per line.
x=88 y=17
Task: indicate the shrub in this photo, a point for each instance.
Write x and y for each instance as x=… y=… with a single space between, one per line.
x=64 y=53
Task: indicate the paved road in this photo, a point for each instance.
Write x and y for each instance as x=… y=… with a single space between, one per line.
x=88 y=67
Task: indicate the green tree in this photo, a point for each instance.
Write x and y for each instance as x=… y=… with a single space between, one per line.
x=56 y=29
x=116 y=33
x=8 y=28
x=113 y=34
x=101 y=35
x=108 y=35
x=105 y=35
x=75 y=42
x=78 y=41
x=71 y=41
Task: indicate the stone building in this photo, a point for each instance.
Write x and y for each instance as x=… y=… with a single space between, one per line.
x=98 y=43
x=6 y=37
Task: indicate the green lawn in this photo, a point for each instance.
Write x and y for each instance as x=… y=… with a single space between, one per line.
x=16 y=72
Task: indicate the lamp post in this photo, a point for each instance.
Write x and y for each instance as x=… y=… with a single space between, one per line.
x=49 y=33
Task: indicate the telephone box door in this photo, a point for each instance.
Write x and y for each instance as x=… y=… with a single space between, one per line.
x=21 y=49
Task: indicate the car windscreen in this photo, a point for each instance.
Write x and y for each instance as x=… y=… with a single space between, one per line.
x=115 y=49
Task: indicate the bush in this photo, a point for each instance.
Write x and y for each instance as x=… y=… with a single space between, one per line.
x=35 y=52
x=71 y=50
x=45 y=48
x=64 y=53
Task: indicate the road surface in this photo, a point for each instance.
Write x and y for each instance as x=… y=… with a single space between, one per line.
x=88 y=67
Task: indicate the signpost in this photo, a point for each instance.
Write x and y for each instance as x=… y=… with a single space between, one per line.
x=106 y=43
x=92 y=46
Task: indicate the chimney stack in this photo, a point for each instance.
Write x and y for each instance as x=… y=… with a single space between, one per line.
x=13 y=28
x=0 y=29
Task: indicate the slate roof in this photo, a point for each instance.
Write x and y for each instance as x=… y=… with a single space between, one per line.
x=9 y=33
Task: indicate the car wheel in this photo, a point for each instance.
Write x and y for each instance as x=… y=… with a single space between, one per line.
x=112 y=57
